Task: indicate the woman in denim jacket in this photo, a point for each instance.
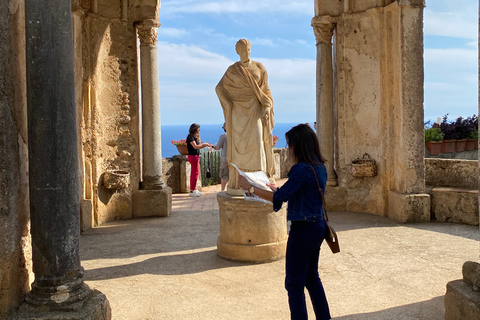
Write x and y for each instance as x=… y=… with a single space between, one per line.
x=305 y=211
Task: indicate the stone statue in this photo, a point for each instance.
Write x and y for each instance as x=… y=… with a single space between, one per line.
x=247 y=106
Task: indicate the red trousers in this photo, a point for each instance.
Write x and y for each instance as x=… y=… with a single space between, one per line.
x=194 y=171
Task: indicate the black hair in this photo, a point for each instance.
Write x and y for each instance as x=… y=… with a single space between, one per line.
x=303 y=142
x=194 y=129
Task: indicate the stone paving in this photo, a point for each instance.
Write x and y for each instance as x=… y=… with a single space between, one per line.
x=167 y=268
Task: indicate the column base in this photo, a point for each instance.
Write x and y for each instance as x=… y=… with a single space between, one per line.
x=153 y=183
x=403 y=207
x=260 y=253
x=250 y=231
x=152 y=203
x=461 y=301
x=95 y=307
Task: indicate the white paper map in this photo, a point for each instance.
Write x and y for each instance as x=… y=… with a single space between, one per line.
x=258 y=179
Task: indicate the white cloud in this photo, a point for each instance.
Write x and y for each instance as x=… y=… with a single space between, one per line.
x=171 y=32
x=457 y=18
x=290 y=69
x=458 y=57
x=473 y=44
x=184 y=61
x=262 y=42
x=238 y=6
x=189 y=74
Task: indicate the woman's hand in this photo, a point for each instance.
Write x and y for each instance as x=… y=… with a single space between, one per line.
x=272 y=186
x=243 y=183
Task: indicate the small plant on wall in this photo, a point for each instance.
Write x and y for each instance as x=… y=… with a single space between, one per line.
x=433 y=134
x=433 y=139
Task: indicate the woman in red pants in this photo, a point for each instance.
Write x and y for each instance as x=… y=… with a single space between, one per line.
x=194 y=145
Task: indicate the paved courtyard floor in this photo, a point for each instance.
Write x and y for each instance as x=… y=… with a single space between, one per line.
x=167 y=268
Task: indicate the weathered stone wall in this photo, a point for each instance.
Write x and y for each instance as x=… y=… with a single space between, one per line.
x=15 y=247
x=361 y=122
x=451 y=173
x=453 y=186
x=108 y=104
x=378 y=78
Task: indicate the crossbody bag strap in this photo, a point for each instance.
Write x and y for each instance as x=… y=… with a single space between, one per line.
x=320 y=191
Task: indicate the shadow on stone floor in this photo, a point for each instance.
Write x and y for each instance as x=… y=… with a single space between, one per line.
x=187 y=230
x=345 y=221
x=168 y=264
x=432 y=309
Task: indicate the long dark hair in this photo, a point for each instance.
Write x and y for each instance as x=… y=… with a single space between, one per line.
x=194 y=130
x=303 y=142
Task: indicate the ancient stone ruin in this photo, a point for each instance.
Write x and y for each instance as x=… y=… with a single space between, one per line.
x=90 y=153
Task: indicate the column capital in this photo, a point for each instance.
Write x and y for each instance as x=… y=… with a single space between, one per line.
x=148 y=32
x=80 y=7
x=323 y=30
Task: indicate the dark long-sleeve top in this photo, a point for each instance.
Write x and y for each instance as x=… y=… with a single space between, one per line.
x=301 y=192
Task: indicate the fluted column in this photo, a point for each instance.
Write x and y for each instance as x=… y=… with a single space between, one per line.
x=151 y=127
x=324 y=103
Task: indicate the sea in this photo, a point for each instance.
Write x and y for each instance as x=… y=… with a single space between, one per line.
x=210 y=133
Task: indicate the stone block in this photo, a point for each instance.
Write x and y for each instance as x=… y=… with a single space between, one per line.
x=408 y=207
x=451 y=173
x=461 y=301
x=335 y=198
x=184 y=176
x=113 y=204
x=471 y=274
x=96 y=307
x=455 y=205
x=86 y=215
x=171 y=173
x=250 y=231
x=152 y=203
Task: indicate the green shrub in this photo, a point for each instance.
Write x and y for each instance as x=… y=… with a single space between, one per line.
x=473 y=134
x=433 y=134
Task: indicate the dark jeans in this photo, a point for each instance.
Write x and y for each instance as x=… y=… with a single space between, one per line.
x=303 y=249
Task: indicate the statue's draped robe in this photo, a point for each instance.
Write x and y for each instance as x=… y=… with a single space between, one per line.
x=244 y=99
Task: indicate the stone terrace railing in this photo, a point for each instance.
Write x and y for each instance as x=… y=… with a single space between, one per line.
x=452 y=184
x=453 y=188
x=176 y=170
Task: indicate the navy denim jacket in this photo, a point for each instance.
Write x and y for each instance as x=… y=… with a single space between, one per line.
x=301 y=192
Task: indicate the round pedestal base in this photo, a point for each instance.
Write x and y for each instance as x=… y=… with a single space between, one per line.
x=250 y=231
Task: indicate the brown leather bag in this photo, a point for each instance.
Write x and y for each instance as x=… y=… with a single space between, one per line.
x=330 y=234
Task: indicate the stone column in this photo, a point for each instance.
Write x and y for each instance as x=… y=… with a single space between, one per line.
x=323 y=31
x=154 y=198
x=53 y=166
x=151 y=128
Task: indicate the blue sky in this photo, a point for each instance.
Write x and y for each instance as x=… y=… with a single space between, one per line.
x=196 y=44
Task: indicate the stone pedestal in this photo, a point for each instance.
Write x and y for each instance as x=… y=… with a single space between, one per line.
x=250 y=231
x=152 y=203
x=408 y=207
x=462 y=300
x=93 y=308
x=185 y=171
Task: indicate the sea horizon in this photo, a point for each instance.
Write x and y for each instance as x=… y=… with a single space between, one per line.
x=210 y=133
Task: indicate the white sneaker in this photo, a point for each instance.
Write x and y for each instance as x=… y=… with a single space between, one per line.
x=194 y=193
x=199 y=192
